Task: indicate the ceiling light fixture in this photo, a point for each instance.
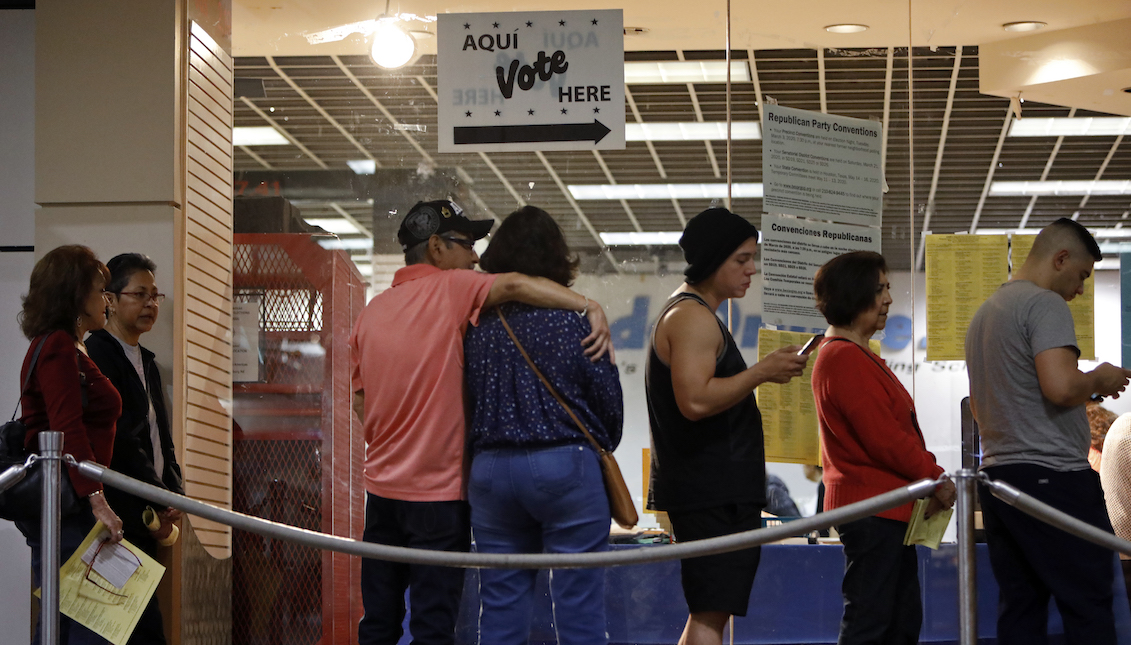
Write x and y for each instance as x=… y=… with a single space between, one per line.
x=1024 y=25
x=595 y=192
x=337 y=225
x=346 y=244
x=846 y=29
x=1079 y=187
x=659 y=238
x=1095 y=126
x=264 y=135
x=692 y=131
x=707 y=71
x=393 y=47
x=362 y=166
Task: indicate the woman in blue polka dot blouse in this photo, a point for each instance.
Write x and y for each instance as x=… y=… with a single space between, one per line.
x=535 y=483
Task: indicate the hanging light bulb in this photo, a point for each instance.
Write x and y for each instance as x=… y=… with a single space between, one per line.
x=392 y=46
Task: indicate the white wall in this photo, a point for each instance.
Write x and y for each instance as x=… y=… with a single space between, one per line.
x=17 y=228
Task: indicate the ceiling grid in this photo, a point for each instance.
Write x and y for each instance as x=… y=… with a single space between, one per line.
x=344 y=108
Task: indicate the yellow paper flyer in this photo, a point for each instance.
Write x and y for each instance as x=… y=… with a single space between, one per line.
x=93 y=601
x=962 y=272
x=789 y=416
x=928 y=532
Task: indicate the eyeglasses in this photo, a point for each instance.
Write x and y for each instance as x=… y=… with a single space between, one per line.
x=144 y=296
x=95 y=582
x=462 y=241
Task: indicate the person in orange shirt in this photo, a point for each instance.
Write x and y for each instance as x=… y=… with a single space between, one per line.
x=407 y=369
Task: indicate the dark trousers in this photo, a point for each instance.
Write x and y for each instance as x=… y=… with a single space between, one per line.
x=1126 y=566
x=1033 y=560
x=434 y=592
x=150 y=629
x=72 y=531
x=882 y=602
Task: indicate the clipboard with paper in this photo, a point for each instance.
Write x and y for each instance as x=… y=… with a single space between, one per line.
x=106 y=587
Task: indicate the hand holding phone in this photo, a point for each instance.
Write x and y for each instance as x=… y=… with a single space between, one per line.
x=811 y=345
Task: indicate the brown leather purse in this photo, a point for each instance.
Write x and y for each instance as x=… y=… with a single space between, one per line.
x=621 y=507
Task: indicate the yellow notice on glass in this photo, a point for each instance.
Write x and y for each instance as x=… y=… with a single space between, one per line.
x=789 y=416
x=962 y=272
x=1083 y=306
x=928 y=532
x=94 y=602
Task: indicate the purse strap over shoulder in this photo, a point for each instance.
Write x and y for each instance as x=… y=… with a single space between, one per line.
x=30 y=371
x=549 y=386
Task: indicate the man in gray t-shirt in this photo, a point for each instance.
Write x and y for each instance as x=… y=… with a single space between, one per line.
x=1027 y=393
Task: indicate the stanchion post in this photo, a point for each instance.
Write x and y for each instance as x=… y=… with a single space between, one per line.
x=967 y=482
x=50 y=453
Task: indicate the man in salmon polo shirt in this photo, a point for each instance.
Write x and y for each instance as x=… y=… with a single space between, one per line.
x=407 y=369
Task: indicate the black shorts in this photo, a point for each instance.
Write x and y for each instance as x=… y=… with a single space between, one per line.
x=718 y=582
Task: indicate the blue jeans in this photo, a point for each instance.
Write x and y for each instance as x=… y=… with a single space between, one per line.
x=532 y=501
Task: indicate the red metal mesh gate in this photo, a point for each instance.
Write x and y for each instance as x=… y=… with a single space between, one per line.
x=298 y=451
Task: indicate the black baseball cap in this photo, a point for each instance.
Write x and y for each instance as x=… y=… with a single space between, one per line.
x=426 y=219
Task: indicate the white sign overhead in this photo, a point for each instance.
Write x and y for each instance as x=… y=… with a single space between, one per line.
x=792 y=251
x=821 y=165
x=531 y=80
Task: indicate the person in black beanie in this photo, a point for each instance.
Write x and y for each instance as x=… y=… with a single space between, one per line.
x=708 y=463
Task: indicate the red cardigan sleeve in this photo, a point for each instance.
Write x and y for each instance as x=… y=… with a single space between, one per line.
x=876 y=411
x=58 y=386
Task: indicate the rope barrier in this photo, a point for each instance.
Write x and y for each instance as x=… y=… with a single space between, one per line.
x=621 y=557
x=15 y=473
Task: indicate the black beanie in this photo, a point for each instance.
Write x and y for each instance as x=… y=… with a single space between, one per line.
x=709 y=239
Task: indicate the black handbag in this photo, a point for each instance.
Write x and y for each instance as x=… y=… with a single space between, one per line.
x=23 y=501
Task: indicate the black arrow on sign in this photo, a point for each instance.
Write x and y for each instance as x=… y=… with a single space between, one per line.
x=594 y=132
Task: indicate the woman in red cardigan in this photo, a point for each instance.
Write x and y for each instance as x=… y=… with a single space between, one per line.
x=870 y=444
x=65 y=300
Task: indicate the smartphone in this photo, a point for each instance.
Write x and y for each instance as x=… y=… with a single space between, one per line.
x=810 y=345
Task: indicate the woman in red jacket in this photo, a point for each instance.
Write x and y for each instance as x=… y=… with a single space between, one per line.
x=870 y=444
x=65 y=300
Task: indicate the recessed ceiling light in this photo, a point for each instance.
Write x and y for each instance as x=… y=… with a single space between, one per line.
x=1024 y=25
x=846 y=29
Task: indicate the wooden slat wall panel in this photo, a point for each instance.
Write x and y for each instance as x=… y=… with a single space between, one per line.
x=209 y=416
x=207 y=286
x=208 y=462
x=206 y=326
